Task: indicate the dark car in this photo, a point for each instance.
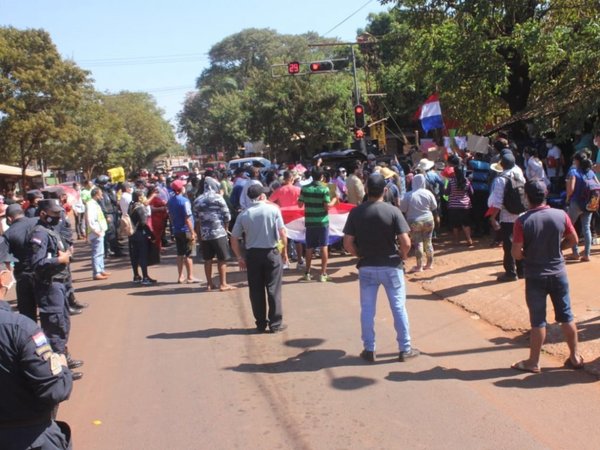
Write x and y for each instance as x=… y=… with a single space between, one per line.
x=340 y=158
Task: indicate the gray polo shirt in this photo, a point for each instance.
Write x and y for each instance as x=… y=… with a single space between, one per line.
x=261 y=223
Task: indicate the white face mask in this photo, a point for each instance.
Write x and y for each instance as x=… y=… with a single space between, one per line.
x=549 y=145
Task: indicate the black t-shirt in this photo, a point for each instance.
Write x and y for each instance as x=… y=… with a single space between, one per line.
x=375 y=226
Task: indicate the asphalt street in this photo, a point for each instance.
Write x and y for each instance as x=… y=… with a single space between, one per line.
x=172 y=366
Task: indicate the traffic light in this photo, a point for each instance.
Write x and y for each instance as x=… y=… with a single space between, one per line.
x=293 y=68
x=321 y=66
x=359 y=134
x=359 y=116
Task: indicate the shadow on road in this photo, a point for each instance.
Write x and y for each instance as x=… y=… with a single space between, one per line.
x=204 y=334
x=551 y=377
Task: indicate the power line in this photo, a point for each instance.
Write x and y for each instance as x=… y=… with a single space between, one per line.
x=350 y=16
x=143 y=60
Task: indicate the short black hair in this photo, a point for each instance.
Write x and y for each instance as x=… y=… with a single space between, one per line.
x=376 y=185
x=316 y=173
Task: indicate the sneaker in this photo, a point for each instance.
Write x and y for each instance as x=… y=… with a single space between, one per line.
x=286 y=266
x=368 y=355
x=307 y=277
x=412 y=353
x=148 y=281
x=137 y=279
x=324 y=278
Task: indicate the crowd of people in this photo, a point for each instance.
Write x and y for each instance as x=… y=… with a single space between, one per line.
x=397 y=208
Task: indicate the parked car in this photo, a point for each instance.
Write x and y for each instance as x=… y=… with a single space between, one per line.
x=340 y=158
x=249 y=162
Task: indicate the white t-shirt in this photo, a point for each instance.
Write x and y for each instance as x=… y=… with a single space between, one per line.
x=124 y=202
x=555 y=153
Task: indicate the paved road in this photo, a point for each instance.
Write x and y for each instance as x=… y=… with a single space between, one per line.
x=174 y=367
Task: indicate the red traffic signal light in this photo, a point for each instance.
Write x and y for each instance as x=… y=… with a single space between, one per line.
x=294 y=68
x=359 y=134
x=359 y=116
x=321 y=66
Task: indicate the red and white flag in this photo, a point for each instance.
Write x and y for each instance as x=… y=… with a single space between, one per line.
x=293 y=218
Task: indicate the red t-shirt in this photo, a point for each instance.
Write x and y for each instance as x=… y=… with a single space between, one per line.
x=286 y=195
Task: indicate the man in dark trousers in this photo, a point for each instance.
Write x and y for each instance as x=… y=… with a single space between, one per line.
x=538 y=238
x=33 y=379
x=17 y=237
x=50 y=258
x=377 y=233
x=262 y=226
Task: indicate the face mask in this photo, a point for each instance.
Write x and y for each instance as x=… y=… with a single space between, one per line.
x=549 y=145
x=52 y=221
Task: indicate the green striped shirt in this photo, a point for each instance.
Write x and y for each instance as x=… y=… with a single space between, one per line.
x=315 y=196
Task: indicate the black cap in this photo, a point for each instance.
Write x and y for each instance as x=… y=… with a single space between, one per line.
x=36 y=193
x=14 y=210
x=50 y=205
x=5 y=255
x=255 y=190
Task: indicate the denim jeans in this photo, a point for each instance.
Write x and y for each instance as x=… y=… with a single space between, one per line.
x=575 y=212
x=392 y=280
x=97 y=255
x=536 y=292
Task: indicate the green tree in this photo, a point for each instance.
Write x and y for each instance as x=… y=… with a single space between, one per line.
x=150 y=135
x=238 y=99
x=98 y=140
x=488 y=59
x=38 y=93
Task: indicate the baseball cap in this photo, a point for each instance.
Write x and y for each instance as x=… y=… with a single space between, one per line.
x=507 y=161
x=255 y=190
x=178 y=185
x=50 y=205
x=14 y=210
x=210 y=184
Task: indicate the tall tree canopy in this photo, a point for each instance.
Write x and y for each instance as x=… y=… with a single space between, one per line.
x=489 y=60
x=237 y=99
x=38 y=93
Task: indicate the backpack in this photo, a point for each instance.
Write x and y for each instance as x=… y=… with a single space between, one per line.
x=590 y=194
x=515 y=201
x=125 y=227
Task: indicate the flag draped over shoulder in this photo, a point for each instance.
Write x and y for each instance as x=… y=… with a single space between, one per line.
x=293 y=218
x=430 y=114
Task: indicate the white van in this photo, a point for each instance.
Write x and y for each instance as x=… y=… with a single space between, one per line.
x=263 y=163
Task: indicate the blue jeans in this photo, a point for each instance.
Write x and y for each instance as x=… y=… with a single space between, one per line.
x=586 y=219
x=392 y=280
x=97 y=255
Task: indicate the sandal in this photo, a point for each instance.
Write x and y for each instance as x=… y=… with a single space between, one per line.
x=571 y=365
x=572 y=258
x=523 y=368
x=416 y=269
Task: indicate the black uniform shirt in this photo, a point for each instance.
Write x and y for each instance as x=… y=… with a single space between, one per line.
x=18 y=236
x=32 y=380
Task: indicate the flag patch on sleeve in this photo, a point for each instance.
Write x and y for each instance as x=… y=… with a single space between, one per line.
x=40 y=339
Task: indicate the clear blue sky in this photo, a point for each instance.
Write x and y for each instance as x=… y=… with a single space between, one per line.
x=160 y=46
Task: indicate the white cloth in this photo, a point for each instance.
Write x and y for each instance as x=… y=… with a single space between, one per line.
x=245 y=201
x=124 y=202
x=496 y=198
x=534 y=170
x=554 y=152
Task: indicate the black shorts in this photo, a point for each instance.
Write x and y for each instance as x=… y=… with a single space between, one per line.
x=215 y=247
x=182 y=244
x=317 y=237
x=458 y=217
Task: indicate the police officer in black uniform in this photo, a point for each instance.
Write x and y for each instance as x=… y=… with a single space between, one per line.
x=50 y=258
x=110 y=209
x=33 y=379
x=17 y=236
x=65 y=229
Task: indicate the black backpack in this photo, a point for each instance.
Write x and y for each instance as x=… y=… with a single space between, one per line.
x=515 y=201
